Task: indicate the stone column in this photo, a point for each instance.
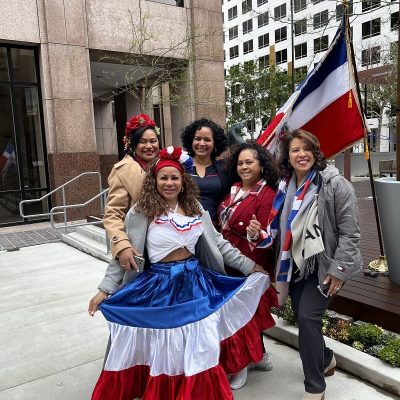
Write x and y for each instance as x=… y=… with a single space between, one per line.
x=106 y=138
x=67 y=98
x=207 y=60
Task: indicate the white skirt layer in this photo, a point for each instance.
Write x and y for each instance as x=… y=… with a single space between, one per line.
x=189 y=349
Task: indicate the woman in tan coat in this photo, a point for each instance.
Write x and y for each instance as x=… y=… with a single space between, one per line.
x=125 y=182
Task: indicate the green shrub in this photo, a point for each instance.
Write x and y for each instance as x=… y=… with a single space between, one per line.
x=286 y=312
x=339 y=329
x=387 y=337
x=368 y=334
x=374 y=350
x=358 y=346
x=391 y=353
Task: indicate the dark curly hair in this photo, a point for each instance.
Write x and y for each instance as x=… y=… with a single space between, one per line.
x=152 y=204
x=270 y=171
x=219 y=136
x=311 y=140
x=135 y=137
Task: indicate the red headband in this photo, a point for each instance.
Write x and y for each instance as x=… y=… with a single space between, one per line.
x=168 y=163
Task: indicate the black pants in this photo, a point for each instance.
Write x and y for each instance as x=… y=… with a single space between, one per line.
x=309 y=306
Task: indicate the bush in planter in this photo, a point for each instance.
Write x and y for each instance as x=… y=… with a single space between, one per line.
x=367 y=334
x=391 y=353
x=338 y=329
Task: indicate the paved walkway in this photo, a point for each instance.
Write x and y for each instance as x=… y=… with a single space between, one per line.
x=51 y=349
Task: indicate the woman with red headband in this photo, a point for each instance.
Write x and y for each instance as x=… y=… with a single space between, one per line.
x=181 y=325
x=125 y=182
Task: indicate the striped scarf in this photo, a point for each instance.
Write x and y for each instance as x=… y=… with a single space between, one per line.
x=285 y=266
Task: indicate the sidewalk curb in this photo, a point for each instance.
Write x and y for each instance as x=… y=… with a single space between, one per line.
x=355 y=362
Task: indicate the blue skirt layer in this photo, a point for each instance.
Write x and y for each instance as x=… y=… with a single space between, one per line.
x=169 y=295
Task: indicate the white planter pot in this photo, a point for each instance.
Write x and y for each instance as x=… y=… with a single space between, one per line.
x=388 y=199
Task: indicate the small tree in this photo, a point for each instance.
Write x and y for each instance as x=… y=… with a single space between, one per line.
x=254 y=92
x=381 y=97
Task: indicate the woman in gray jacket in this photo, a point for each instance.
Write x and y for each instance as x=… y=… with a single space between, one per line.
x=315 y=218
x=181 y=325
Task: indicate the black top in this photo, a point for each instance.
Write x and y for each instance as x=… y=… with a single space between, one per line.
x=214 y=186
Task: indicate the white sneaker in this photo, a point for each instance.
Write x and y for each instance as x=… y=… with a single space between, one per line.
x=264 y=365
x=239 y=380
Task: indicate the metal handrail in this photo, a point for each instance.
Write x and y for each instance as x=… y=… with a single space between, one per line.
x=65 y=226
x=64 y=207
x=62 y=188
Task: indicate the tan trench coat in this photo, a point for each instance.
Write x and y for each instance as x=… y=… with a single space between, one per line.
x=125 y=182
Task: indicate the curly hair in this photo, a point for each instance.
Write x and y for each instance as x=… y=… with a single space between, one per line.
x=269 y=169
x=311 y=140
x=152 y=204
x=219 y=136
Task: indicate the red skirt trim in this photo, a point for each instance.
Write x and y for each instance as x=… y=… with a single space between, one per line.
x=237 y=352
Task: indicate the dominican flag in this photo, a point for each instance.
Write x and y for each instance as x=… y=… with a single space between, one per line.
x=7 y=158
x=325 y=103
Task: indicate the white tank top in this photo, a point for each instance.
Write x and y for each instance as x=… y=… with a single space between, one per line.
x=168 y=233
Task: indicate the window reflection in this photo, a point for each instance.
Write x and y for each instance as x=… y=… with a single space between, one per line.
x=3 y=64
x=23 y=65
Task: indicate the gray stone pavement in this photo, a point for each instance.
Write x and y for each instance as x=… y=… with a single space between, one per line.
x=51 y=349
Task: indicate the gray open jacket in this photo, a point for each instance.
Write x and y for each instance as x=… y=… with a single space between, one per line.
x=212 y=250
x=338 y=217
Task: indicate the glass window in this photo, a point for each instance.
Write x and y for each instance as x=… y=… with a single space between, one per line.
x=23 y=65
x=394 y=20
x=30 y=136
x=371 y=56
x=300 y=50
x=370 y=4
x=371 y=28
x=248 y=46
x=9 y=175
x=261 y=2
x=281 y=56
x=300 y=27
x=340 y=12
x=232 y=13
x=233 y=52
x=233 y=32
x=263 y=19
x=280 y=34
x=263 y=41
x=300 y=5
x=321 y=44
x=263 y=61
x=246 y=6
x=320 y=19
x=280 y=11
x=3 y=64
x=247 y=26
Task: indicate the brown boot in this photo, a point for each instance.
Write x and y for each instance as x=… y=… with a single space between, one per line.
x=330 y=369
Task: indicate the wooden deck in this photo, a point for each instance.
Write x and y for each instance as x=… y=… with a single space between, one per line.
x=370 y=299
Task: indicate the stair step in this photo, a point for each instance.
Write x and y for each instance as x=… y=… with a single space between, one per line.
x=93 y=232
x=86 y=244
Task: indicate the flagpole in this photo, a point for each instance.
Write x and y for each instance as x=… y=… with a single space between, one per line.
x=381 y=264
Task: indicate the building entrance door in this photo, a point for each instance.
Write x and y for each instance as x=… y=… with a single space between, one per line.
x=23 y=164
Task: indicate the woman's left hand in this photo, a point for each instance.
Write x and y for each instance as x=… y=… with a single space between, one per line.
x=258 y=268
x=253 y=229
x=335 y=284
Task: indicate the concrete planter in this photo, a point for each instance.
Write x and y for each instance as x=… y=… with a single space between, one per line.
x=388 y=199
x=355 y=362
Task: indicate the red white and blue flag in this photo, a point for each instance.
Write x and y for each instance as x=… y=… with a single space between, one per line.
x=325 y=103
x=7 y=158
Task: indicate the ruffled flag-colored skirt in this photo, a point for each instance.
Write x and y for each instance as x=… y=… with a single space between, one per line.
x=178 y=329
